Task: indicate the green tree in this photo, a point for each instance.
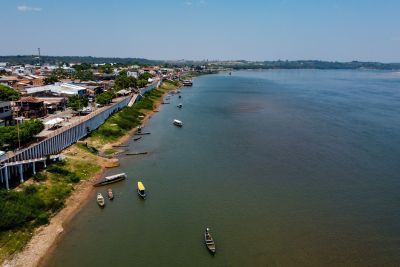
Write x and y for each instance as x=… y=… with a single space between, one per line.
x=77 y=102
x=141 y=83
x=83 y=75
x=105 y=98
x=60 y=73
x=145 y=76
x=83 y=66
x=26 y=131
x=51 y=79
x=8 y=93
x=106 y=68
x=123 y=81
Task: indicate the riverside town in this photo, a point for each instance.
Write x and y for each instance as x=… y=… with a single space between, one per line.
x=200 y=133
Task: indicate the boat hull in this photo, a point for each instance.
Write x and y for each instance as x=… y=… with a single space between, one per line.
x=209 y=241
x=106 y=182
x=142 y=195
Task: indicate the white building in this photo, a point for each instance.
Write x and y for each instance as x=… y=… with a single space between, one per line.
x=133 y=74
x=59 y=89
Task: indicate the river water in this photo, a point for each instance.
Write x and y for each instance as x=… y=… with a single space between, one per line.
x=287 y=168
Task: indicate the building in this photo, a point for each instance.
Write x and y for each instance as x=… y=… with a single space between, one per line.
x=5 y=113
x=30 y=107
x=63 y=89
x=23 y=81
x=133 y=74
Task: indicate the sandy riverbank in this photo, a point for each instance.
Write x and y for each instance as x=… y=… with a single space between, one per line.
x=45 y=238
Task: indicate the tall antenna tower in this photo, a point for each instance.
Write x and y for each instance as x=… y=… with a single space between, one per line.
x=39 y=55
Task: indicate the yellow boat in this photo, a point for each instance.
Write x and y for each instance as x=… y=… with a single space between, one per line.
x=141 y=190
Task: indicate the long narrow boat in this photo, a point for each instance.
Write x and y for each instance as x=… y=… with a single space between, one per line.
x=111 y=179
x=209 y=241
x=141 y=190
x=100 y=200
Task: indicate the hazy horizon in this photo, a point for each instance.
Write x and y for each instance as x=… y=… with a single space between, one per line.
x=199 y=30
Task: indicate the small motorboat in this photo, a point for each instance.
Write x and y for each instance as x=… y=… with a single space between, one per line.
x=139 y=129
x=137 y=138
x=209 y=241
x=179 y=96
x=110 y=194
x=178 y=123
x=141 y=190
x=100 y=200
x=179 y=105
x=187 y=83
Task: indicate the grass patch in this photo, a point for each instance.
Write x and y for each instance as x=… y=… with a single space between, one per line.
x=110 y=151
x=13 y=240
x=88 y=148
x=31 y=206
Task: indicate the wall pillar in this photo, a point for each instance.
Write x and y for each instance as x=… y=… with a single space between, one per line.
x=6 y=177
x=21 y=173
x=33 y=168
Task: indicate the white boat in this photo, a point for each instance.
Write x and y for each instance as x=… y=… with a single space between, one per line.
x=100 y=200
x=179 y=105
x=178 y=123
x=111 y=179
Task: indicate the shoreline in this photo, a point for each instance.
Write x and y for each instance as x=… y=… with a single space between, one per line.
x=46 y=238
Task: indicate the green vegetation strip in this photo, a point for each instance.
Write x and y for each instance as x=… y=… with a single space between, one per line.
x=126 y=119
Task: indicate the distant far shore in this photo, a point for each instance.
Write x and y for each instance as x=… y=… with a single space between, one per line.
x=232 y=64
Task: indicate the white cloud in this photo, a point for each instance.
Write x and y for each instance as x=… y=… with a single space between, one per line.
x=25 y=8
x=195 y=3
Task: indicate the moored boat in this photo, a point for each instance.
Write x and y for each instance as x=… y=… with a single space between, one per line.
x=179 y=105
x=209 y=241
x=110 y=194
x=187 y=82
x=111 y=179
x=100 y=200
x=141 y=190
x=178 y=123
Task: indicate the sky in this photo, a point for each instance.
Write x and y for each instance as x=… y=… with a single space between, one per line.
x=334 y=30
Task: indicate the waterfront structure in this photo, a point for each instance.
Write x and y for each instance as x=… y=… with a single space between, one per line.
x=20 y=162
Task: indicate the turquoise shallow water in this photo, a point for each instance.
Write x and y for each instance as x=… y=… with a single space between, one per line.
x=287 y=167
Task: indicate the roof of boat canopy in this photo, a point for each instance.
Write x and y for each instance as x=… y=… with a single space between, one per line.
x=140 y=186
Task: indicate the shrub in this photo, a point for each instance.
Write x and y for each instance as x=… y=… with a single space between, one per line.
x=73 y=178
x=42 y=218
x=39 y=177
